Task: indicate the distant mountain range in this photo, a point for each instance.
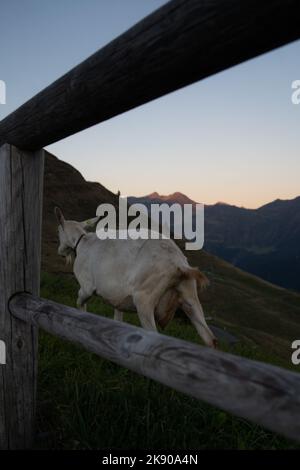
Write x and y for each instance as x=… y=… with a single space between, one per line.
x=263 y=241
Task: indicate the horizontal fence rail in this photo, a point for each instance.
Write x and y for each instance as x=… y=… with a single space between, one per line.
x=180 y=43
x=264 y=394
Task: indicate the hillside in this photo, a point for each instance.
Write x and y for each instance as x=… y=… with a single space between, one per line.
x=263 y=241
x=257 y=312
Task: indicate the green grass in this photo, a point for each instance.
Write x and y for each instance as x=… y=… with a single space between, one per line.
x=85 y=402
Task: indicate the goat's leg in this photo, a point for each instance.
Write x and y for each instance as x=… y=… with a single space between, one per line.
x=192 y=308
x=118 y=315
x=82 y=299
x=166 y=308
x=146 y=313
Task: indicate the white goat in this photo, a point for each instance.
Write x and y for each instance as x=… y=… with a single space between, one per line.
x=152 y=277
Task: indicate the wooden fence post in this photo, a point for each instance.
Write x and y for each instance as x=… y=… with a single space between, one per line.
x=21 y=190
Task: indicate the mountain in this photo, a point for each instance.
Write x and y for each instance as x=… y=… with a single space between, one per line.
x=175 y=198
x=263 y=241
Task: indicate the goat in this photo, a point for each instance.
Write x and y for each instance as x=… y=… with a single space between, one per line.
x=149 y=276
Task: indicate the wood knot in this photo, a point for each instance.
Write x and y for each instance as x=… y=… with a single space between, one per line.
x=134 y=338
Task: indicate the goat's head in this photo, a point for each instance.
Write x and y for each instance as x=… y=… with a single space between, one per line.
x=69 y=232
x=65 y=235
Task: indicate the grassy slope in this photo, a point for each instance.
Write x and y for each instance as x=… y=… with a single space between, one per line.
x=86 y=402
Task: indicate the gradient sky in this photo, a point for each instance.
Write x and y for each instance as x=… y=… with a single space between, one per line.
x=233 y=137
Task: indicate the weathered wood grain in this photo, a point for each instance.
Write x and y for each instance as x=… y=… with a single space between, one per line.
x=264 y=394
x=182 y=42
x=21 y=180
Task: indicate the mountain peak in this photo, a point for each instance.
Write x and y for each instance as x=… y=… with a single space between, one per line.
x=176 y=197
x=221 y=203
x=154 y=195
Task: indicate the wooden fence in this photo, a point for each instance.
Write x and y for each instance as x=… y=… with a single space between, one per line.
x=182 y=42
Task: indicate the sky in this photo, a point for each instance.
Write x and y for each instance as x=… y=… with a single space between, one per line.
x=233 y=137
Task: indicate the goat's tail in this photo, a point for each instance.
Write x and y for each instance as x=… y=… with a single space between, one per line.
x=194 y=273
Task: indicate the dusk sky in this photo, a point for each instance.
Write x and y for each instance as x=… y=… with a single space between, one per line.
x=233 y=137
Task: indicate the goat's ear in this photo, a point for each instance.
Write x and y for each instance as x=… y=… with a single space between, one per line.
x=90 y=224
x=59 y=215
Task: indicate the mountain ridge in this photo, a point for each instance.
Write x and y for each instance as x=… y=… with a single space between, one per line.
x=177 y=196
x=263 y=241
